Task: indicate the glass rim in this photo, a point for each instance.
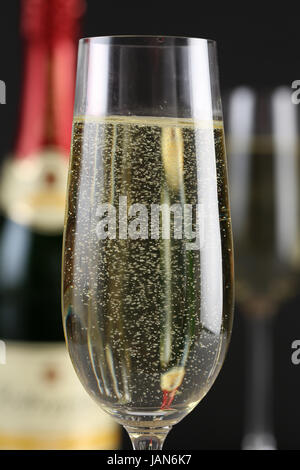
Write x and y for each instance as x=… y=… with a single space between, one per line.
x=146 y=40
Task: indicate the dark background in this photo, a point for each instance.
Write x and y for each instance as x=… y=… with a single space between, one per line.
x=260 y=51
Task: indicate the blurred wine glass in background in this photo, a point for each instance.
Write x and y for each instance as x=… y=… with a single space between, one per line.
x=264 y=176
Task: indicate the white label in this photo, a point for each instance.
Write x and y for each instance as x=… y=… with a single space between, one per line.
x=42 y=398
x=33 y=189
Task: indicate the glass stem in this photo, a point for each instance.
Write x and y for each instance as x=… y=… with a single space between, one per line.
x=259 y=433
x=147 y=438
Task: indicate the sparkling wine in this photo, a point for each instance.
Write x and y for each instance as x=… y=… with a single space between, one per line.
x=147 y=316
x=267 y=262
x=263 y=159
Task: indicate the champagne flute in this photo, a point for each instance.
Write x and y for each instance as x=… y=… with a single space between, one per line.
x=148 y=267
x=264 y=175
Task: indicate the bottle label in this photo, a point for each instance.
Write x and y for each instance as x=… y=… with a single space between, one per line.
x=33 y=191
x=43 y=404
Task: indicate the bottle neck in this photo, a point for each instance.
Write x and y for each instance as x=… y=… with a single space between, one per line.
x=33 y=181
x=50 y=31
x=33 y=101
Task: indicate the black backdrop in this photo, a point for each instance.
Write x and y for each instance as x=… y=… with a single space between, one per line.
x=261 y=51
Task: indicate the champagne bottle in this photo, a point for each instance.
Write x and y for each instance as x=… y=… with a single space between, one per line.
x=42 y=403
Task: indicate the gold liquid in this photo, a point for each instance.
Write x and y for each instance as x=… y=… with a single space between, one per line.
x=146 y=317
